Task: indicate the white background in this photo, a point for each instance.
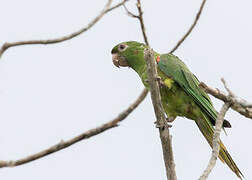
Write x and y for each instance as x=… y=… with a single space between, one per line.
x=54 y=92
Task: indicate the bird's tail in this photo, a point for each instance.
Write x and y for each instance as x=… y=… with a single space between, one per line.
x=207 y=130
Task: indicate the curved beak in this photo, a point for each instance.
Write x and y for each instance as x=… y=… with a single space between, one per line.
x=119 y=60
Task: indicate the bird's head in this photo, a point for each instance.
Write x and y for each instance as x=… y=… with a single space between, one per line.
x=129 y=54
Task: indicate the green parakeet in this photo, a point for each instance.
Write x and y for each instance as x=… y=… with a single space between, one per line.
x=180 y=92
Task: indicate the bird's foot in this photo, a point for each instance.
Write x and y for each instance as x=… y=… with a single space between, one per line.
x=169 y=125
x=160 y=82
x=170 y=119
x=158 y=78
x=162 y=126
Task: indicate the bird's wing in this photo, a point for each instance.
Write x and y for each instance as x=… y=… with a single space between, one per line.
x=173 y=67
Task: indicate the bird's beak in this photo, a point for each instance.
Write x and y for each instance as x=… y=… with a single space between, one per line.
x=119 y=60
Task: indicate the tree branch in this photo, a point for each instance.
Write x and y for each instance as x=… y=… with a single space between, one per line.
x=111 y=124
x=216 y=139
x=237 y=104
x=217 y=131
x=156 y=101
x=160 y=116
x=105 y=10
x=139 y=7
x=130 y=13
x=190 y=29
x=140 y=18
x=116 y=6
x=92 y=132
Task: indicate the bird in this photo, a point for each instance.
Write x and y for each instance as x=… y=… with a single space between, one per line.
x=181 y=94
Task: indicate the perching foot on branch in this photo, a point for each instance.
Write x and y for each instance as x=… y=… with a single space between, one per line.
x=160 y=82
x=162 y=126
x=170 y=119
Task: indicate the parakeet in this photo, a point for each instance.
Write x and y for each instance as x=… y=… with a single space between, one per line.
x=180 y=92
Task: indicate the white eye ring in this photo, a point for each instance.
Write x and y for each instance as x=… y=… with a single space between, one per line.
x=122 y=47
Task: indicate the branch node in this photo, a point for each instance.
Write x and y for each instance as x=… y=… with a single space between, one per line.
x=129 y=13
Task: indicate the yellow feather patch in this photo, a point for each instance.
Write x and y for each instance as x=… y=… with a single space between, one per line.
x=168 y=82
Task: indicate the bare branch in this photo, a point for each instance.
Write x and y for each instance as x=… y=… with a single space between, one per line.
x=116 y=6
x=237 y=104
x=139 y=7
x=216 y=140
x=92 y=132
x=230 y=93
x=105 y=10
x=156 y=101
x=129 y=12
x=191 y=28
x=160 y=116
x=140 y=18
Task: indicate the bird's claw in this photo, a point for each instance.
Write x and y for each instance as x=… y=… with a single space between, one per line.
x=168 y=125
x=170 y=119
x=158 y=78
x=162 y=126
x=160 y=82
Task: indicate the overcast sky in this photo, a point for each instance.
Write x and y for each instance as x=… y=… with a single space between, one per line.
x=55 y=92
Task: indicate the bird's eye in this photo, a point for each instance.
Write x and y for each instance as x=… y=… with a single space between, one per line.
x=122 y=47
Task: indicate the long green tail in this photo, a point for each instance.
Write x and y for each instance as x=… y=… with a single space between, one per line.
x=207 y=130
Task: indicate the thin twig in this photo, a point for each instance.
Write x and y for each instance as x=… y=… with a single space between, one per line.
x=92 y=132
x=85 y=135
x=140 y=18
x=105 y=10
x=237 y=104
x=139 y=7
x=129 y=12
x=216 y=139
x=230 y=93
x=191 y=28
x=117 y=6
x=160 y=116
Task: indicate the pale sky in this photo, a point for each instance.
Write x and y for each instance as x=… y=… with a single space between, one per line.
x=54 y=92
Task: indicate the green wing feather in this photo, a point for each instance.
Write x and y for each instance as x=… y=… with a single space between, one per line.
x=173 y=67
